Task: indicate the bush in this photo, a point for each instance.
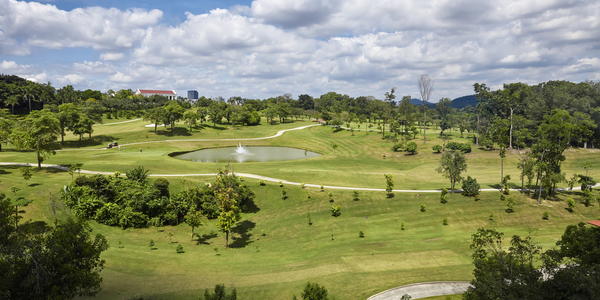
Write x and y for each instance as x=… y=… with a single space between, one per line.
x=138 y=174
x=302 y=185
x=312 y=291
x=284 y=194
x=437 y=148
x=443 y=196
x=335 y=211
x=355 y=196
x=220 y=293
x=546 y=215
x=402 y=226
x=422 y=207
x=280 y=183
x=445 y=222
x=491 y=217
x=262 y=182
x=510 y=204
x=162 y=185
x=465 y=148
x=470 y=187
x=179 y=249
x=570 y=204
x=412 y=148
x=361 y=234
x=587 y=197
x=397 y=147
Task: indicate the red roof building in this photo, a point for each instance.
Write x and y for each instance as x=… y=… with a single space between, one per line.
x=595 y=223
x=147 y=93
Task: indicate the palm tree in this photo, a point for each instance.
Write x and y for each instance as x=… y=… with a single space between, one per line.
x=12 y=101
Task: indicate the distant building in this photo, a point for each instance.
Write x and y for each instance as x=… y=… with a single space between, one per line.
x=172 y=95
x=192 y=95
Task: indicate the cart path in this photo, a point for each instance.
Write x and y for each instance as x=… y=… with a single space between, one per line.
x=423 y=290
x=279 y=133
x=265 y=178
x=117 y=122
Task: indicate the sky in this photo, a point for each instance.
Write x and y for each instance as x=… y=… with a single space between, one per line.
x=265 y=48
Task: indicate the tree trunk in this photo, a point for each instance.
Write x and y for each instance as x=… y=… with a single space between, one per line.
x=501 y=172
x=227 y=239
x=522 y=174
x=39 y=158
x=477 y=139
x=424 y=122
x=511 y=128
x=29 y=98
x=192 y=235
x=541 y=180
x=62 y=136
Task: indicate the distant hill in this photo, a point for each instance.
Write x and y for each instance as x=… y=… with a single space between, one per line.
x=457 y=103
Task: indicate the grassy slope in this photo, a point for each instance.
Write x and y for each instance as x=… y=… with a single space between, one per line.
x=277 y=265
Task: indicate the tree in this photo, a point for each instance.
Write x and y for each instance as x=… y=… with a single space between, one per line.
x=411 y=147
x=26 y=173
x=138 y=174
x=389 y=97
x=7 y=122
x=39 y=132
x=83 y=126
x=60 y=264
x=389 y=187
x=313 y=291
x=154 y=115
x=445 y=114
x=220 y=293
x=500 y=129
x=501 y=274
x=191 y=118
x=215 y=114
x=470 y=186
x=227 y=196
x=452 y=164
x=194 y=219
x=173 y=112
x=68 y=116
x=12 y=100
x=425 y=89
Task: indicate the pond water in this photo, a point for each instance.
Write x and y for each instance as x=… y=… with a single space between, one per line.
x=246 y=154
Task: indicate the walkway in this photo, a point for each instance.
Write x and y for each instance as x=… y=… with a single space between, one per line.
x=117 y=122
x=260 y=177
x=279 y=133
x=423 y=290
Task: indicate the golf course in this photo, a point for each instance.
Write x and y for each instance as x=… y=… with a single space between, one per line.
x=408 y=237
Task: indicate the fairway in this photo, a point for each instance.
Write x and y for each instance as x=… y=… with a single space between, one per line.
x=274 y=250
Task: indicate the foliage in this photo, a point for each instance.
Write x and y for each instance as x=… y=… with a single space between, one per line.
x=465 y=148
x=179 y=249
x=389 y=183
x=505 y=180
x=397 y=147
x=62 y=263
x=335 y=211
x=313 y=291
x=26 y=173
x=411 y=147
x=162 y=185
x=587 y=182
x=587 y=197
x=570 y=204
x=261 y=182
x=138 y=174
x=361 y=234
x=284 y=194
x=470 y=186
x=452 y=164
x=227 y=196
x=355 y=196
x=194 y=219
x=402 y=226
x=510 y=205
x=545 y=215
x=38 y=131
x=220 y=293
x=437 y=148
x=445 y=221
x=443 y=196
x=422 y=207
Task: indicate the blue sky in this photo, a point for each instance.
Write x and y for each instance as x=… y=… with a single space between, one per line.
x=265 y=48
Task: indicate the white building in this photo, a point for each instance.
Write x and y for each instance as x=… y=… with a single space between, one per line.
x=147 y=93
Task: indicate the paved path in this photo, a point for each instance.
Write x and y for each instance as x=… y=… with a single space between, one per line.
x=423 y=290
x=118 y=122
x=265 y=178
x=279 y=133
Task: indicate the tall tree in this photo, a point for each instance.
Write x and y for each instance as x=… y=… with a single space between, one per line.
x=389 y=97
x=173 y=112
x=227 y=197
x=68 y=116
x=452 y=164
x=39 y=132
x=445 y=114
x=425 y=89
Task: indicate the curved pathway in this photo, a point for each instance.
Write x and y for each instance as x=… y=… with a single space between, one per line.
x=279 y=133
x=260 y=177
x=117 y=122
x=423 y=290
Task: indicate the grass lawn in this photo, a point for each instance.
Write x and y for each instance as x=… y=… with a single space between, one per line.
x=292 y=252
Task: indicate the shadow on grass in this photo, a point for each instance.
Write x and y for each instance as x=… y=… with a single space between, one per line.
x=177 y=131
x=242 y=229
x=391 y=195
x=35 y=184
x=250 y=207
x=36 y=227
x=202 y=239
x=94 y=141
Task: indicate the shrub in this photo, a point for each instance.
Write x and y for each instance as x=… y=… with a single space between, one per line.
x=322 y=188
x=220 y=293
x=361 y=234
x=261 y=182
x=402 y=226
x=302 y=185
x=162 y=185
x=138 y=174
x=179 y=249
x=491 y=217
x=445 y=221
x=330 y=194
x=570 y=204
x=312 y=291
x=280 y=183
x=284 y=194
x=470 y=186
x=443 y=196
x=545 y=215
x=151 y=244
x=437 y=148
x=309 y=219
x=465 y=148
x=355 y=196
x=422 y=207
x=476 y=197
x=510 y=204
x=335 y=211
x=397 y=147
x=505 y=180
x=587 y=197
x=411 y=147
x=502 y=197
x=308 y=195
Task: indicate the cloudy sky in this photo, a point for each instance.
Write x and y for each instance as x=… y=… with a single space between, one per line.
x=265 y=48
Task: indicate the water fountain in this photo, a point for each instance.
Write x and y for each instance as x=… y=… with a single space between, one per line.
x=241 y=150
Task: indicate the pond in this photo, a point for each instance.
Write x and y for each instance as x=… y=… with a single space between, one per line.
x=246 y=154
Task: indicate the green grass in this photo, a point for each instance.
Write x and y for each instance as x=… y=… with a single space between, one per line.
x=278 y=265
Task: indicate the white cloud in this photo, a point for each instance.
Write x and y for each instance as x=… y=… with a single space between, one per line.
x=49 y=27
x=71 y=79
x=120 y=77
x=112 y=56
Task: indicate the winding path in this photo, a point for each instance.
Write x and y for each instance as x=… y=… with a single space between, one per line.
x=423 y=290
x=279 y=133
